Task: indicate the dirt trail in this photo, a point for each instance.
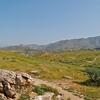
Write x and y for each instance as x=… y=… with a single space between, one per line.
x=66 y=94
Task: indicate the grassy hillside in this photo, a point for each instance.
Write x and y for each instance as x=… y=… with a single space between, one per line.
x=53 y=66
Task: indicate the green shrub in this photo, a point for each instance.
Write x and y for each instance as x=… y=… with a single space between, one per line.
x=40 y=90
x=93 y=74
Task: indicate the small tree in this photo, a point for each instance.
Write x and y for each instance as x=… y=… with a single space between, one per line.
x=93 y=74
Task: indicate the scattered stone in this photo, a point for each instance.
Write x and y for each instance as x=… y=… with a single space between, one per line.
x=46 y=96
x=2 y=97
x=19 y=80
x=1 y=88
x=34 y=72
x=32 y=95
x=8 y=91
x=81 y=96
x=67 y=77
x=59 y=97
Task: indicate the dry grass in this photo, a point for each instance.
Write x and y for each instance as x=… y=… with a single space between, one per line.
x=54 y=66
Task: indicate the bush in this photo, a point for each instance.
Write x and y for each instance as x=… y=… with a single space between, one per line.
x=93 y=74
x=40 y=90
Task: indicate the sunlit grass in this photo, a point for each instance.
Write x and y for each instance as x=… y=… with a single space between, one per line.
x=53 y=66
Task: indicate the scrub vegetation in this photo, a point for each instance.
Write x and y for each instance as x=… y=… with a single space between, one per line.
x=55 y=65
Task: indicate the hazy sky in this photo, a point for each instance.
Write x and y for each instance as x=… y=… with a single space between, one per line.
x=45 y=21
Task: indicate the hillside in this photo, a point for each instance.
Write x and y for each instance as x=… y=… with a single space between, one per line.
x=54 y=66
x=75 y=44
x=72 y=44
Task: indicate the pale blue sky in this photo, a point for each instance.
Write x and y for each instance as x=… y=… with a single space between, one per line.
x=45 y=21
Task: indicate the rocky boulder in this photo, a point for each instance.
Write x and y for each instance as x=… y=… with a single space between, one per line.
x=11 y=81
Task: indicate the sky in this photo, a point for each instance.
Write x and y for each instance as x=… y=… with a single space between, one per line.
x=47 y=21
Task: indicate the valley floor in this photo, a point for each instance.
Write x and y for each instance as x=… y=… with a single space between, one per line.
x=53 y=66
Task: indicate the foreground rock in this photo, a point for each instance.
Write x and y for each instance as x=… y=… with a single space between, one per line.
x=63 y=94
x=11 y=81
x=12 y=85
x=46 y=96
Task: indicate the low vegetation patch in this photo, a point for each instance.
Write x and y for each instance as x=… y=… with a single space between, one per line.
x=53 y=66
x=93 y=75
x=24 y=97
x=40 y=90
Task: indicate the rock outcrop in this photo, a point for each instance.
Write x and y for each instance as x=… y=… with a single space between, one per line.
x=11 y=81
x=14 y=84
x=46 y=96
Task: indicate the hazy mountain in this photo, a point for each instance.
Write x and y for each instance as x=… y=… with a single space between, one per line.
x=82 y=43
x=72 y=44
x=22 y=47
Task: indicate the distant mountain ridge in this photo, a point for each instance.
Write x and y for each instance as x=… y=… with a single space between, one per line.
x=72 y=44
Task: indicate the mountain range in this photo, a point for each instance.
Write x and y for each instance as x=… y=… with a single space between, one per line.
x=71 y=44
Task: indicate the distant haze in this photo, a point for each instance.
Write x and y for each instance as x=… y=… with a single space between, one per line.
x=73 y=44
x=47 y=21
